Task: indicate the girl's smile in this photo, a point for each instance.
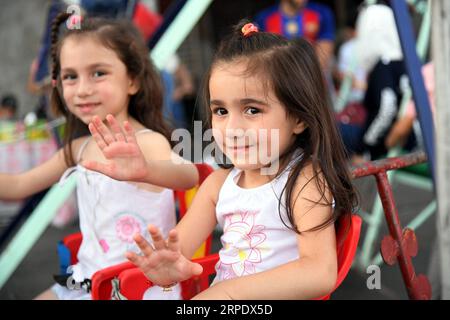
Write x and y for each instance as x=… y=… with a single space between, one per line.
x=239 y=149
x=87 y=108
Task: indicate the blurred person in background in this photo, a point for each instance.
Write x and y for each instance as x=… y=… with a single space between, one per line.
x=402 y=128
x=8 y=107
x=308 y=20
x=380 y=55
x=302 y=18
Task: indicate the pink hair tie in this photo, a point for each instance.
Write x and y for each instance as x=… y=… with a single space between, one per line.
x=249 y=29
x=74 y=22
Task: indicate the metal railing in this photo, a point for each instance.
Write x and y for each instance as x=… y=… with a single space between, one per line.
x=401 y=244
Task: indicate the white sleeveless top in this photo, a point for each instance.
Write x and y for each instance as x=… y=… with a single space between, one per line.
x=111 y=212
x=254 y=237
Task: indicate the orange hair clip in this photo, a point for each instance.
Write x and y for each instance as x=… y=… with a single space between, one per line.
x=248 y=29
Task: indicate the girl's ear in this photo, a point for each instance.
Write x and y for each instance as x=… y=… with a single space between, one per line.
x=133 y=86
x=300 y=127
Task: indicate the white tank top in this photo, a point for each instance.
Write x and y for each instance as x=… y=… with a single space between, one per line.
x=254 y=237
x=111 y=212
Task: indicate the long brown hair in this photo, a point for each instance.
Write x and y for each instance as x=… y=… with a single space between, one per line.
x=292 y=70
x=125 y=40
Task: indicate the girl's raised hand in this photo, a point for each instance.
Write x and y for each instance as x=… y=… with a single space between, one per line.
x=163 y=264
x=125 y=159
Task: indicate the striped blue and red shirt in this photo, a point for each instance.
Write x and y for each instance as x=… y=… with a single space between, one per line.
x=314 y=22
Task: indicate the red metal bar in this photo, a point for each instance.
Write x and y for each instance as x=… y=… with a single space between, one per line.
x=373 y=167
x=398 y=246
x=417 y=288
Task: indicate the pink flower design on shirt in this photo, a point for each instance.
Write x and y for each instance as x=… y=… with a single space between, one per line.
x=126 y=227
x=241 y=241
x=104 y=245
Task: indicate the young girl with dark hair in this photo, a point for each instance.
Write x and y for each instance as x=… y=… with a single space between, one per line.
x=278 y=226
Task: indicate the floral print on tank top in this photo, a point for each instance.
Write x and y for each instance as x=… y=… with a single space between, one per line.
x=242 y=240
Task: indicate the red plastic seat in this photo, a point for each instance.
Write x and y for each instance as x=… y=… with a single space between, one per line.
x=347 y=238
x=133 y=283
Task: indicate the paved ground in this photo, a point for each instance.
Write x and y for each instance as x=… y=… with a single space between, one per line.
x=35 y=272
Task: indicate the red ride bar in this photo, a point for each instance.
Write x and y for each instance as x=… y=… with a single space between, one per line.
x=400 y=245
x=374 y=167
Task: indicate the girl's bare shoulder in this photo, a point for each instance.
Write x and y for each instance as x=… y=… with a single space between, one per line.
x=219 y=176
x=215 y=181
x=150 y=140
x=77 y=144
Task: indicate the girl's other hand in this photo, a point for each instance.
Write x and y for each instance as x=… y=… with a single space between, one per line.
x=163 y=264
x=125 y=159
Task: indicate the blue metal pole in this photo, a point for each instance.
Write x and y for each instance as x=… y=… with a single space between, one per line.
x=413 y=67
